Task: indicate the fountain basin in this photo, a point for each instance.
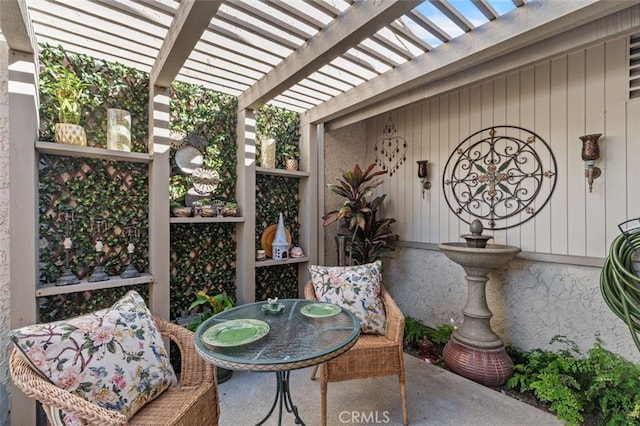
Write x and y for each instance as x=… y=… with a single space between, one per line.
x=491 y=257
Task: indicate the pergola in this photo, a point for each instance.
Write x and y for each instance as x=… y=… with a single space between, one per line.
x=332 y=60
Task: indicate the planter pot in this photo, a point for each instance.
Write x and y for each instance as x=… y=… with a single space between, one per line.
x=291 y=164
x=71 y=134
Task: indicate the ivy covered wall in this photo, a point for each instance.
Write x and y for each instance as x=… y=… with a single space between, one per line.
x=202 y=256
x=117 y=191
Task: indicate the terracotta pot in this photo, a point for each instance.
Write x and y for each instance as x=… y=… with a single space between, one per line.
x=71 y=134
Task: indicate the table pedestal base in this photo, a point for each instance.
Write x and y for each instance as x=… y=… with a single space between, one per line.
x=283 y=398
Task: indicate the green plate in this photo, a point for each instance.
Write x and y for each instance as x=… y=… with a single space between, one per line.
x=320 y=310
x=235 y=333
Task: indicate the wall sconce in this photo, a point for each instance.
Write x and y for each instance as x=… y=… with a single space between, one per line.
x=422 y=175
x=591 y=154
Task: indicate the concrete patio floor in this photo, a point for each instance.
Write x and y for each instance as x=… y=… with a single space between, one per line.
x=435 y=397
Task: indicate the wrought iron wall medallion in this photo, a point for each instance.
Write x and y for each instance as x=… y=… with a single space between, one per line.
x=502 y=175
x=391 y=149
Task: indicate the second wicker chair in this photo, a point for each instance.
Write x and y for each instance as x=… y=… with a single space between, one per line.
x=371 y=356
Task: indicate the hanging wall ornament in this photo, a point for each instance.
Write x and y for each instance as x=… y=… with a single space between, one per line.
x=502 y=175
x=391 y=149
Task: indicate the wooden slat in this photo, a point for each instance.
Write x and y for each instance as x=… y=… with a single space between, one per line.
x=542 y=108
x=16 y=27
x=518 y=29
x=293 y=28
x=190 y=21
x=576 y=127
x=614 y=177
x=362 y=19
x=485 y=7
x=560 y=145
x=595 y=123
x=452 y=13
x=429 y=26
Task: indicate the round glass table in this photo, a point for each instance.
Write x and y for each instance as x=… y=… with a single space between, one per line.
x=294 y=334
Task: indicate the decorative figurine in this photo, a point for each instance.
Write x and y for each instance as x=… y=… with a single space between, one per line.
x=68 y=215
x=132 y=231
x=98 y=273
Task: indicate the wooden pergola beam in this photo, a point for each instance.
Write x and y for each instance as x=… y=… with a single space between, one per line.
x=16 y=26
x=358 y=22
x=521 y=27
x=189 y=23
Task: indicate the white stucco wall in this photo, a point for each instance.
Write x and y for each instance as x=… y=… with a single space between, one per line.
x=531 y=301
x=4 y=233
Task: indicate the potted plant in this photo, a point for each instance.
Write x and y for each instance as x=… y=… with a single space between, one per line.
x=290 y=153
x=209 y=306
x=68 y=91
x=230 y=208
x=370 y=238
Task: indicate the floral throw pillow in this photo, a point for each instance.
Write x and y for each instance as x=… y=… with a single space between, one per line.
x=356 y=288
x=114 y=357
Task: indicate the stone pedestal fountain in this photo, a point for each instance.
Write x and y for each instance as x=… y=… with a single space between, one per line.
x=474 y=350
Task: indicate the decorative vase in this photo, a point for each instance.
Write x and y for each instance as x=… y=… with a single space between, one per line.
x=72 y=134
x=268 y=153
x=291 y=164
x=118 y=129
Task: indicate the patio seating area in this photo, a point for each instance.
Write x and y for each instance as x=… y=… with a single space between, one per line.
x=435 y=397
x=213 y=156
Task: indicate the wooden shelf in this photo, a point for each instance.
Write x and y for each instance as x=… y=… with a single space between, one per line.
x=51 y=289
x=271 y=262
x=199 y=219
x=90 y=152
x=281 y=172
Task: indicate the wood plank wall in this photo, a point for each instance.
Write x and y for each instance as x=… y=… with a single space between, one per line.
x=561 y=99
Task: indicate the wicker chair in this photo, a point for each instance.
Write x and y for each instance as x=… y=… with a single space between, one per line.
x=371 y=356
x=193 y=402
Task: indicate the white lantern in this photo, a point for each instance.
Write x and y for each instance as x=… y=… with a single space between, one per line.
x=280 y=245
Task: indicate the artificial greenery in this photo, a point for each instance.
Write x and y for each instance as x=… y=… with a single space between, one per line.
x=116 y=191
x=213 y=116
x=283 y=126
x=106 y=85
x=202 y=258
x=277 y=281
x=370 y=238
x=601 y=383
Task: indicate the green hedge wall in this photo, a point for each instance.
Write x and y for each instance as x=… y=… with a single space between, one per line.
x=202 y=255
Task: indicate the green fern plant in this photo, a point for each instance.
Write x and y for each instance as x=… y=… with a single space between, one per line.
x=575 y=385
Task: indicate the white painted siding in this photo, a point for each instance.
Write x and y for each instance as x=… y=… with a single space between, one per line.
x=561 y=99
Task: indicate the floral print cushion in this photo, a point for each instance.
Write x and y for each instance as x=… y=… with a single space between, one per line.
x=114 y=357
x=356 y=288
